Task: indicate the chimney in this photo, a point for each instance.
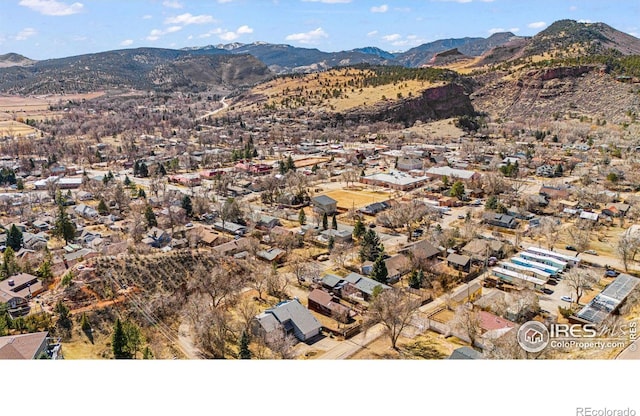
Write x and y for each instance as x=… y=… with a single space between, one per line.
x=11 y=282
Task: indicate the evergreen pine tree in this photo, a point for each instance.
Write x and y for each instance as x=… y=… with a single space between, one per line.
x=379 y=272
x=187 y=205
x=358 y=229
x=147 y=354
x=334 y=222
x=102 y=208
x=331 y=243
x=14 y=238
x=370 y=247
x=150 y=217
x=302 y=217
x=245 y=353
x=325 y=221
x=64 y=228
x=415 y=280
x=119 y=341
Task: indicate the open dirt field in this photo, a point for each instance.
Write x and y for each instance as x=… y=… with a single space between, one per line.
x=13 y=128
x=352 y=198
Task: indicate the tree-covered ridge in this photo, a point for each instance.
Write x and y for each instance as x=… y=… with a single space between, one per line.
x=613 y=61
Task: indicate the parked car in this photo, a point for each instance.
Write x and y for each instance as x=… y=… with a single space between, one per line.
x=611 y=273
x=552 y=282
x=566 y=299
x=571 y=248
x=547 y=291
x=592 y=252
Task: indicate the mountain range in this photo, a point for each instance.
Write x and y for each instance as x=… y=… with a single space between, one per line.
x=234 y=65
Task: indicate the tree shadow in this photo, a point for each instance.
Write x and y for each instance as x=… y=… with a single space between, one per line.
x=89 y=333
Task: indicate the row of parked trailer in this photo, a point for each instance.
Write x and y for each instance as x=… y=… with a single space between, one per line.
x=534 y=267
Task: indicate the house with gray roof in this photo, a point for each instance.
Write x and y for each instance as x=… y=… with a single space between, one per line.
x=324 y=204
x=290 y=316
x=360 y=286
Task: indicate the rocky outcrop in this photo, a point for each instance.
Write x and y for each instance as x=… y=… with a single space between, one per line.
x=435 y=103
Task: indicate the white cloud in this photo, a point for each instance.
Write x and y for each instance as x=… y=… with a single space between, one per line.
x=126 y=42
x=392 y=38
x=229 y=35
x=26 y=33
x=147 y=17
x=372 y=33
x=496 y=30
x=52 y=7
x=312 y=36
x=514 y=29
x=189 y=19
x=536 y=25
x=172 y=4
x=327 y=1
x=573 y=8
x=380 y=9
x=155 y=34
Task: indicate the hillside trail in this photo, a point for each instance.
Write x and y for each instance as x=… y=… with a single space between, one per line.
x=216 y=111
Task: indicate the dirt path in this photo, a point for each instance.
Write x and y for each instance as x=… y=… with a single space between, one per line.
x=224 y=106
x=186 y=343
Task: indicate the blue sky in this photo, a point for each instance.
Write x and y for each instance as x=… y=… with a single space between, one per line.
x=42 y=29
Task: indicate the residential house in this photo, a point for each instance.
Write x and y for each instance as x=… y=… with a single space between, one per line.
x=272 y=254
x=465 y=353
x=459 y=262
x=376 y=207
x=616 y=210
x=230 y=227
x=24 y=346
x=327 y=304
x=397 y=266
x=289 y=316
x=554 y=192
x=359 y=286
x=84 y=196
x=421 y=251
x=469 y=292
x=233 y=247
x=156 y=237
x=86 y=211
x=339 y=236
x=481 y=249
x=323 y=204
x=267 y=222
x=499 y=220
x=16 y=291
x=34 y=241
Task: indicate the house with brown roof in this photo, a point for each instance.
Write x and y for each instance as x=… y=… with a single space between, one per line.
x=459 y=262
x=327 y=304
x=24 y=346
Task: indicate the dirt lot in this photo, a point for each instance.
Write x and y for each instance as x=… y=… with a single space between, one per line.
x=354 y=198
x=427 y=346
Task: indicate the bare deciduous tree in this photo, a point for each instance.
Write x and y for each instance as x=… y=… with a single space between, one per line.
x=578 y=280
x=393 y=309
x=467 y=321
